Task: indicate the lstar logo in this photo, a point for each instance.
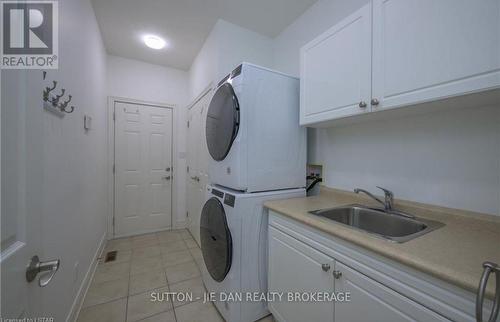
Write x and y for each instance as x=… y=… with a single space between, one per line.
x=29 y=34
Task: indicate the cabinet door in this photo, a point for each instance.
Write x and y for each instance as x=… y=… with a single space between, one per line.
x=296 y=267
x=372 y=301
x=335 y=71
x=426 y=49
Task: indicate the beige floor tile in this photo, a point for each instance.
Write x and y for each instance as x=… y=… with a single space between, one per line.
x=182 y=272
x=149 y=236
x=197 y=312
x=146 y=265
x=109 y=312
x=111 y=271
x=168 y=236
x=191 y=243
x=196 y=252
x=145 y=252
x=171 y=259
x=145 y=242
x=193 y=286
x=198 y=257
x=174 y=246
x=141 y=306
x=168 y=316
x=99 y=293
x=185 y=234
x=142 y=282
x=119 y=244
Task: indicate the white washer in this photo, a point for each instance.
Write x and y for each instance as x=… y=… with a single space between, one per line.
x=253 y=133
x=233 y=233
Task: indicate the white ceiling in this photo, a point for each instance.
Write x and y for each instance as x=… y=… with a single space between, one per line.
x=185 y=24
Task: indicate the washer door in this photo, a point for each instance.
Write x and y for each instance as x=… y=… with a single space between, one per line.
x=215 y=237
x=223 y=121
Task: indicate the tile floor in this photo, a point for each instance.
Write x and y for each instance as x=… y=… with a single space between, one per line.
x=165 y=261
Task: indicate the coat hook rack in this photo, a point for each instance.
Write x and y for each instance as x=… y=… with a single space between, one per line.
x=54 y=102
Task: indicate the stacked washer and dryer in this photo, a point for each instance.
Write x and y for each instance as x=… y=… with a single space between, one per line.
x=258 y=153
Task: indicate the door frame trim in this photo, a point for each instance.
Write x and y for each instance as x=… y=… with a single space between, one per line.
x=111 y=159
x=208 y=90
x=202 y=94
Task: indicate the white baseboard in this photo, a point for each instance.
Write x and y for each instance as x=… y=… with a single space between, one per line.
x=180 y=225
x=82 y=291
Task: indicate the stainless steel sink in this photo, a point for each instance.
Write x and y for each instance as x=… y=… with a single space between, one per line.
x=391 y=225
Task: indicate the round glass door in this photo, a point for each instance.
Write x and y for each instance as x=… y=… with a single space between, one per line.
x=215 y=237
x=223 y=120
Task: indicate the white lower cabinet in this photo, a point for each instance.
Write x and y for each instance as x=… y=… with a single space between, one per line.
x=297 y=267
x=372 y=301
x=294 y=267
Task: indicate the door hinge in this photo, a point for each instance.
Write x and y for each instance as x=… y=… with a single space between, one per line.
x=188 y=123
x=113 y=168
x=114 y=116
x=187 y=214
x=113 y=221
x=187 y=169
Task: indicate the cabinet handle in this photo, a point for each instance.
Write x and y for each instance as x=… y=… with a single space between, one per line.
x=488 y=268
x=362 y=104
x=325 y=267
x=337 y=274
x=375 y=102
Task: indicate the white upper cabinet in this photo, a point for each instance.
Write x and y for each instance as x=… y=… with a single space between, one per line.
x=422 y=50
x=336 y=70
x=425 y=50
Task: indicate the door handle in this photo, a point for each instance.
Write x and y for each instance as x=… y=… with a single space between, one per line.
x=196 y=178
x=488 y=268
x=166 y=178
x=49 y=268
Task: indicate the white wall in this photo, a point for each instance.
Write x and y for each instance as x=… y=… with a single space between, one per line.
x=204 y=67
x=237 y=44
x=152 y=83
x=143 y=81
x=61 y=168
x=318 y=18
x=226 y=46
x=451 y=158
x=444 y=158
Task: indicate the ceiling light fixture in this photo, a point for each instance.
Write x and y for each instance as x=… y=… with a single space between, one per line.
x=154 y=42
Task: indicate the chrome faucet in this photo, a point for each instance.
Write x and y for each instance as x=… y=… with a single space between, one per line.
x=389 y=197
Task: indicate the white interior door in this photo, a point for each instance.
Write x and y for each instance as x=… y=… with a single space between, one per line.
x=21 y=197
x=197 y=162
x=143 y=168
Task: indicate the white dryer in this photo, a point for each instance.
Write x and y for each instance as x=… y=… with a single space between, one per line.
x=253 y=133
x=233 y=234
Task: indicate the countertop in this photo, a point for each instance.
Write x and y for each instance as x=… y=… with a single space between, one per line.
x=453 y=253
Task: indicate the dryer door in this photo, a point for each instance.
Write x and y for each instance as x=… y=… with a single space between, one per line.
x=215 y=237
x=223 y=121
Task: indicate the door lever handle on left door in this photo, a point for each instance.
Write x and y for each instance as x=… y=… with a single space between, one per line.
x=49 y=268
x=166 y=178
